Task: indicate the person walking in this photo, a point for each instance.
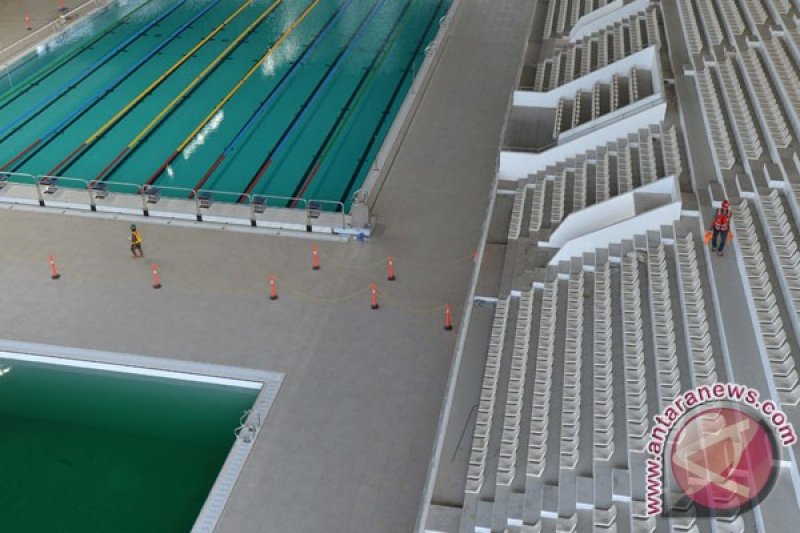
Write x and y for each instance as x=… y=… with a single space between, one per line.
x=136 y=242
x=720 y=227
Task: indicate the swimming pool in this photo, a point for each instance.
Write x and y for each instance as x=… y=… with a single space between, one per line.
x=108 y=442
x=288 y=100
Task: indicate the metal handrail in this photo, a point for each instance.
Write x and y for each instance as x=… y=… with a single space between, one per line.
x=55 y=179
x=111 y=184
x=200 y=197
x=62 y=178
x=256 y=203
x=223 y=193
x=191 y=192
x=286 y=199
x=20 y=174
x=339 y=208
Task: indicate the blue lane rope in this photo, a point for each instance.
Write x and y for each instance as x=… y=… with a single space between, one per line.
x=99 y=95
x=48 y=100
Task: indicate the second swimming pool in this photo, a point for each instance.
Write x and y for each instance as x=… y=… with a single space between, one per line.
x=124 y=449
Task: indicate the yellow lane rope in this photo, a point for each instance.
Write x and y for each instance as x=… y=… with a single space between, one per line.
x=246 y=77
x=200 y=77
x=150 y=88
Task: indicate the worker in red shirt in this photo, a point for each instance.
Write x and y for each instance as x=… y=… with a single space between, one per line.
x=720 y=227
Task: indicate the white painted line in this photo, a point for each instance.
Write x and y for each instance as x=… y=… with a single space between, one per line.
x=121 y=369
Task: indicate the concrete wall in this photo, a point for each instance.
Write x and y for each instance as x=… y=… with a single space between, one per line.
x=638 y=225
x=646 y=59
x=607 y=213
x=518 y=165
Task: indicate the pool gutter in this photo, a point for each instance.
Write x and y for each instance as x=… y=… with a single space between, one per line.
x=366 y=197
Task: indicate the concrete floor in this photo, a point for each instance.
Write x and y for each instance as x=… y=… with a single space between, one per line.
x=349 y=438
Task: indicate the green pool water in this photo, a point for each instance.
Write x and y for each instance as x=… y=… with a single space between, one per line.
x=91 y=450
x=308 y=123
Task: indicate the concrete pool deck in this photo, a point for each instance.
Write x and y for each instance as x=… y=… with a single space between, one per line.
x=41 y=13
x=349 y=438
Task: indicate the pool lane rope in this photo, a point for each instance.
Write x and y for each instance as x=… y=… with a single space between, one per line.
x=12 y=94
x=374 y=137
x=75 y=154
x=265 y=102
x=185 y=92
x=346 y=110
x=49 y=135
x=48 y=100
x=318 y=89
x=186 y=142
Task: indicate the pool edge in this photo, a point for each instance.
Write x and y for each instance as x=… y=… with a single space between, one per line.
x=246 y=435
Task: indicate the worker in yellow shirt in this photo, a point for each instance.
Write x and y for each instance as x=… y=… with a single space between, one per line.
x=136 y=242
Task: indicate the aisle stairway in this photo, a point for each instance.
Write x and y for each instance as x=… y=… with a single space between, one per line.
x=586 y=349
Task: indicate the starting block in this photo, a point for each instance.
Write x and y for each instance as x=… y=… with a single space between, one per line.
x=314 y=209
x=152 y=194
x=259 y=204
x=205 y=199
x=48 y=185
x=99 y=189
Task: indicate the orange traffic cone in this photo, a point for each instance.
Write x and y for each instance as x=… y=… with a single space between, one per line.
x=374 y=290
x=156 y=277
x=273 y=289
x=53 y=270
x=315 y=255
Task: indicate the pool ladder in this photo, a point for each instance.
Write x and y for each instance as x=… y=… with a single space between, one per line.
x=247 y=430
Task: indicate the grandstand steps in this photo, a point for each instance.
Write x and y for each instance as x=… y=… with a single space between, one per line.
x=620 y=39
x=544 y=199
x=658 y=286
x=779 y=345
x=563 y=15
x=573 y=60
x=619 y=329
x=644 y=275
